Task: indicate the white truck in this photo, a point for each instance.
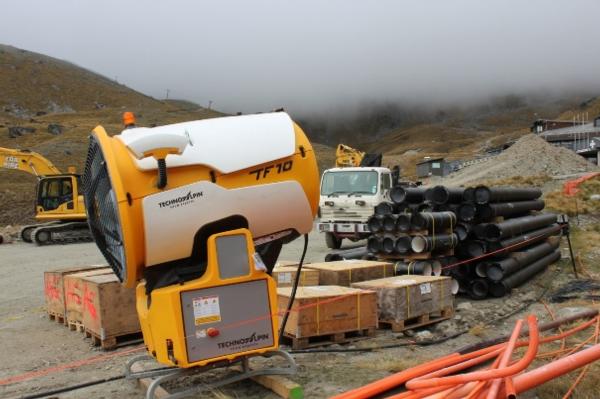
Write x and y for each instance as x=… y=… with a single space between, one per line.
x=348 y=198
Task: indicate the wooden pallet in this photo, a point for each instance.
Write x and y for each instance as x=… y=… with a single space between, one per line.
x=57 y=317
x=328 y=339
x=418 y=321
x=75 y=325
x=108 y=343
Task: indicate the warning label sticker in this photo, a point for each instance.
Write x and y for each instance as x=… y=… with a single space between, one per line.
x=11 y=162
x=207 y=309
x=425 y=288
x=284 y=278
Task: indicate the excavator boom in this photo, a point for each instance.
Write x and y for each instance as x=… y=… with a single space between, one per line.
x=27 y=161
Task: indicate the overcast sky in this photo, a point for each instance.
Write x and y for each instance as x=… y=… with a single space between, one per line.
x=304 y=55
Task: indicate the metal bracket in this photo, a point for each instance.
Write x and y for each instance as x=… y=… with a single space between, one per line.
x=165 y=374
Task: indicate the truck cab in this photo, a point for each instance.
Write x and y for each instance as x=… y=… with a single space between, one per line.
x=348 y=198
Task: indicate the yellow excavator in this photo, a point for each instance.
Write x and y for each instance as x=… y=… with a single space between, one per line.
x=58 y=206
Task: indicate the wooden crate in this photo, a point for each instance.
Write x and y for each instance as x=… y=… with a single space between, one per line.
x=108 y=309
x=54 y=291
x=285 y=275
x=280 y=263
x=404 y=298
x=326 y=310
x=73 y=285
x=346 y=272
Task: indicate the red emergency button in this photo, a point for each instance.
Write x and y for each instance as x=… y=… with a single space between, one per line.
x=212 y=332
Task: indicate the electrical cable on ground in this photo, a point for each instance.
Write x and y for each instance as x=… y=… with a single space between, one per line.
x=73 y=387
x=294 y=288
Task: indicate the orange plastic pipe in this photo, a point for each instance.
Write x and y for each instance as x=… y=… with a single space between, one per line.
x=387 y=383
x=509 y=388
x=533 y=378
x=394 y=380
x=461 y=366
x=587 y=366
x=505 y=358
x=488 y=374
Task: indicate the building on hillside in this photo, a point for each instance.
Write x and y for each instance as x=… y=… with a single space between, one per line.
x=433 y=167
x=591 y=152
x=581 y=138
x=542 y=125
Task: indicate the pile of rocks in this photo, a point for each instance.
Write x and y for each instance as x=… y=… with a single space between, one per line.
x=529 y=156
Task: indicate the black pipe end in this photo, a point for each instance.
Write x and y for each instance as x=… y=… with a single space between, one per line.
x=498 y=290
x=479 y=289
x=387 y=245
x=403 y=222
x=469 y=195
x=373 y=245
x=384 y=208
x=398 y=194
x=461 y=231
x=440 y=195
x=389 y=224
x=495 y=272
x=492 y=232
x=403 y=244
x=467 y=212
x=483 y=195
x=475 y=248
x=375 y=224
x=419 y=244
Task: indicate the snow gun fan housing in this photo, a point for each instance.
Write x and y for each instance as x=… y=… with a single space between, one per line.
x=200 y=210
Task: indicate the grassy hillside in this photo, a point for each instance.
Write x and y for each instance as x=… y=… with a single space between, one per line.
x=37 y=91
x=33 y=83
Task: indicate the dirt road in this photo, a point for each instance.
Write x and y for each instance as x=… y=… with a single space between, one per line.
x=32 y=343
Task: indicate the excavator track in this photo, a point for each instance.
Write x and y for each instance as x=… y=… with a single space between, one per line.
x=62 y=233
x=26 y=231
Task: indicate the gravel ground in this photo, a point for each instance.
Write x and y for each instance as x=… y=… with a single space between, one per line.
x=30 y=342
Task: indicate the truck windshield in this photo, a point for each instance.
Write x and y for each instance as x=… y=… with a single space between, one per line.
x=349 y=182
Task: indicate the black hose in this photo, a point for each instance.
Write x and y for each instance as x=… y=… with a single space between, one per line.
x=294 y=288
x=162 y=173
x=73 y=387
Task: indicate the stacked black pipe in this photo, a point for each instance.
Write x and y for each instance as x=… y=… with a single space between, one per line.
x=460 y=227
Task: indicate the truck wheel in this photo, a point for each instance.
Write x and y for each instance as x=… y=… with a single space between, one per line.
x=332 y=241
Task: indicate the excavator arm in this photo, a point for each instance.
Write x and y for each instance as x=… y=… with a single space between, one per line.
x=347 y=156
x=27 y=161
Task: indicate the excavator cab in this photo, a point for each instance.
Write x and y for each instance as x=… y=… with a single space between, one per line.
x=58 y=196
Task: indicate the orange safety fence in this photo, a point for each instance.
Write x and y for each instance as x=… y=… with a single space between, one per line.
x=571 y=187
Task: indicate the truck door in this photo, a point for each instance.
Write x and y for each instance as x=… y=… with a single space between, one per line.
x=386 y=184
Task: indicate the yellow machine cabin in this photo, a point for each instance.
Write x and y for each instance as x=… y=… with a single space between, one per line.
x=58 y=203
